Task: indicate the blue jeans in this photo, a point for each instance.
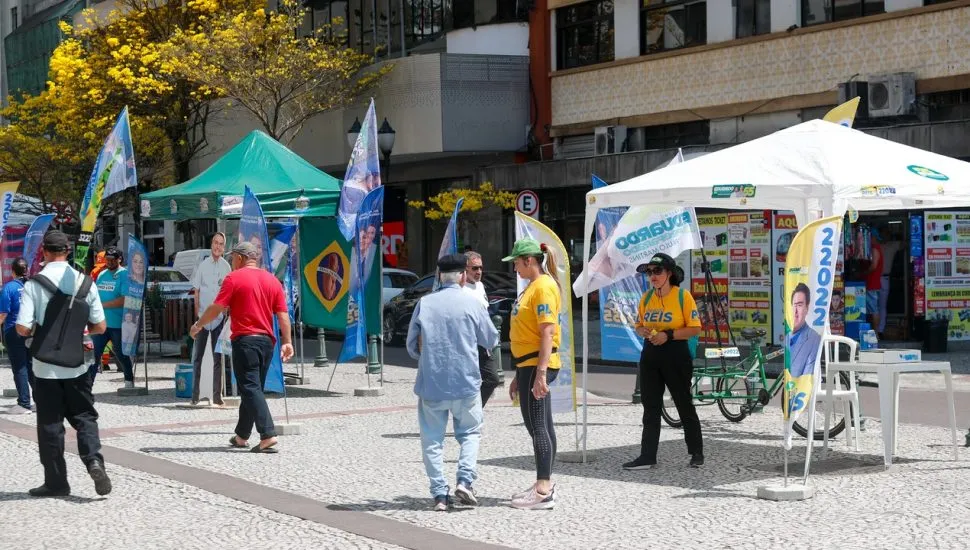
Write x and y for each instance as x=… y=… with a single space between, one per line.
x=467 y=419
x=20 y=363
x=100 y=342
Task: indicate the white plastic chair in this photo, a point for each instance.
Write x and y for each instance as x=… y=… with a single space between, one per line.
x=847 y=397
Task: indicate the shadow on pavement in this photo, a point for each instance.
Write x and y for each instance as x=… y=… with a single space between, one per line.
x=413 y=503
x=9 y=496
x=215 y=449
x=298 y=392
x=155 y=397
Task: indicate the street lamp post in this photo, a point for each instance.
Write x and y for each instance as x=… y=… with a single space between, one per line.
x=385 y=143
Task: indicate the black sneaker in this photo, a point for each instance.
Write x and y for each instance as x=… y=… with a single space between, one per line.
x=441 y=503
x=640 y=464
x=102 y=485
x=696 y=461
x=45 y=491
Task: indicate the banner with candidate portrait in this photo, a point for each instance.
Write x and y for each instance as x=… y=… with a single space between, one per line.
x=363 y=174
x=324 y=278
x=366 y=245
x=131 y=316
x=563 y=389
x=114 y=171
x=253 y=228
x=642 y=232
x=35 y=236
x=809 y=277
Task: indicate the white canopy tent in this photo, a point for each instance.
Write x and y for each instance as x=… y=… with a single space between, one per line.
x=815 y=169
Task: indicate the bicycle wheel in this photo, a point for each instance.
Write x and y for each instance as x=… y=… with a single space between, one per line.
x=838 y=420
x=669 y=411
x=734 y=408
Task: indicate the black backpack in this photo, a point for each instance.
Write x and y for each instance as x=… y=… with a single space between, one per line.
x=60 y=340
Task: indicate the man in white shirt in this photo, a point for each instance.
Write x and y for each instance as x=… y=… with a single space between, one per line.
x=473 y=285
x=206 y=282
x=63 y=392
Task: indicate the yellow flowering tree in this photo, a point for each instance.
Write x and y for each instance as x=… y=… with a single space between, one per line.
x=442 y=205
x=264 y=61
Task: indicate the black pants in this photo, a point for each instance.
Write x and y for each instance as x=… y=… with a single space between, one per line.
x=251 y=356
x=58 y=400
x=207 y=338
x=489 y=370
x=537 y=415
x=668 y=365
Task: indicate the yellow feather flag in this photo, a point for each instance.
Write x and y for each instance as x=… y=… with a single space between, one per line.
x=843 y=114
x=7 y=192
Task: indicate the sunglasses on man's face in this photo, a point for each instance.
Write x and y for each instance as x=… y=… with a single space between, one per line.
x=654 y=270
x=475 y=267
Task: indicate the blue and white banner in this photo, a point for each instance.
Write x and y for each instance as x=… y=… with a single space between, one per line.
x=363 y=174
x=282 y=251
x=449 y=243
x=368 y=231
x=252 y=228
x=131 y=320
x=35 y=236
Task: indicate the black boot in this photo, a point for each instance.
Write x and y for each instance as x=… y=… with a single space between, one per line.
x=45 y=491
x=102 y=485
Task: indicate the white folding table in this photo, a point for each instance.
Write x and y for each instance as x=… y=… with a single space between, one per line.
x=888 y=376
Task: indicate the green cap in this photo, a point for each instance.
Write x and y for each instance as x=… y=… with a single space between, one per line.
x=524 y=247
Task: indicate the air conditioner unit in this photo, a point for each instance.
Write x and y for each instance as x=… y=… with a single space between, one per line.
x=856 y=88
x=609 y=140
x=892 y=95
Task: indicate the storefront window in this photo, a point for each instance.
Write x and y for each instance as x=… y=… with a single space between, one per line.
x=584 y=34
x=815 y=12
x=672 y=24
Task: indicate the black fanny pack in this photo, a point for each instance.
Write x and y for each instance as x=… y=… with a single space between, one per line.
x=516 y=361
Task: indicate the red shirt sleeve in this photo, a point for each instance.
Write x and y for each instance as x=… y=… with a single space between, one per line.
x=225 y=292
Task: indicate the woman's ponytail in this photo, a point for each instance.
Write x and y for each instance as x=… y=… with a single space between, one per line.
x=549 y=265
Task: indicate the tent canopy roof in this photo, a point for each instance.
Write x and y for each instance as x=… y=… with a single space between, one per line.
x=276 y=175
x=815 y=165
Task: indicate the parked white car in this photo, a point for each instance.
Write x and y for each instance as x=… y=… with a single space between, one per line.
x=395 y=281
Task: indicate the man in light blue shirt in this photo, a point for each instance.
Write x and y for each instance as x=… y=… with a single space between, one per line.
x=447 y=327
x=112 y=288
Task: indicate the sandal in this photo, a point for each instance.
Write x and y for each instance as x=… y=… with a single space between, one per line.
x=268 y=450
x=235 y=444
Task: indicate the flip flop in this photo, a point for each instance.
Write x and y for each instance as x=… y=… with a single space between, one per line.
x=233 y=443
x=268 y=450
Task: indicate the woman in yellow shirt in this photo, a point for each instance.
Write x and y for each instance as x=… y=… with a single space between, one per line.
x=667 y=320
x=535 y=334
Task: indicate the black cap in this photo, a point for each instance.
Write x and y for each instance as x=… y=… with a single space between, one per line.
x=112 y=252
x=451 y=263
x=56 y=241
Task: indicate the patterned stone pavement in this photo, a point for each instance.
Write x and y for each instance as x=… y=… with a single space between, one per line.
x=355 y=479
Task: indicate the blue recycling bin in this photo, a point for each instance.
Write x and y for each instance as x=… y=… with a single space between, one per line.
x=183 y=381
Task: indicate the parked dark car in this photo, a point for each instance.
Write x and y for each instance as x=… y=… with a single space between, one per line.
x=499 y=287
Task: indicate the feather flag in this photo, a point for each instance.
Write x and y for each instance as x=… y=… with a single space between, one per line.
x=363 y=174
x=843 y=114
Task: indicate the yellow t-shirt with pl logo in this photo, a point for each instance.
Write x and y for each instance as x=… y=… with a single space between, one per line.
x=539 y=304
x=665 y=313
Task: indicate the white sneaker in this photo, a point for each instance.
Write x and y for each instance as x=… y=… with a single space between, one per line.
x=535 y=501
x=523 y=494
x=17 y=409
x=466 y=495
x=129 y=384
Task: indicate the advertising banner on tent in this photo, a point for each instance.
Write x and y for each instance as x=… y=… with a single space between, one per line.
x=325 y=278
x=114 y=171
x=131 y=319
x=714 y=234
x=749 y=270
x=947 y=268
x=642 y=232
x=35 y=236
x=252 y=228
x=563 y=388
x=809 y=277
x=363 y=174
x=368 y=232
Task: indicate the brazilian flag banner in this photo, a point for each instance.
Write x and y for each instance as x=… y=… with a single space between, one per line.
x=325 y=282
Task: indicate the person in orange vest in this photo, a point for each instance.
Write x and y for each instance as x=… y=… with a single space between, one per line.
x=99 y=265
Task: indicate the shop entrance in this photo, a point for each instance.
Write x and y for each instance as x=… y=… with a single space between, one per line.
x=894 y=306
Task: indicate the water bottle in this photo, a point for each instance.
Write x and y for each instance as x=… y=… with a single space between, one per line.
x=870 y=340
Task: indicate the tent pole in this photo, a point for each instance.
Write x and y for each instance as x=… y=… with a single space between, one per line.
x=590 y=222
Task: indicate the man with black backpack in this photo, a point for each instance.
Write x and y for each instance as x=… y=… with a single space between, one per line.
x=58 y=303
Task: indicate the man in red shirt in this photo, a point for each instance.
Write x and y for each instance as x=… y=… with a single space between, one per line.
x=252 y=295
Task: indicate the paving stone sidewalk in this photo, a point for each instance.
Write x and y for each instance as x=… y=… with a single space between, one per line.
x=363 y=455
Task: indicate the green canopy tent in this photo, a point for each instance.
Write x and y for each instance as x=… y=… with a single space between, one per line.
x=285 y=184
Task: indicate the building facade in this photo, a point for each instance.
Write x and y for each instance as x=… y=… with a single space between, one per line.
x=631 y=81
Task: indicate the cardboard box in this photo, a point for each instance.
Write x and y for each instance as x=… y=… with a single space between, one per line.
x=890 y=356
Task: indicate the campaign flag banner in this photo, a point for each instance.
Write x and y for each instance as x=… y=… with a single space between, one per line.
x=35 y=236
x=363 y=174
x=7 y=192
x=282 y=250
x=253 y=228
x=131 y=319
x=11 y=248
x=324 y=278
x=563 y=388
x=809 y=277
x=843 y=114
x=368 y=230
x=449 y=243
x=114 y=171
x=642 y=232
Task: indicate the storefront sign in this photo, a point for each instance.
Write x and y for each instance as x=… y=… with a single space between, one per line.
x=947 y=269
x=392 y=241
x=749 y=270
x=742 y=191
